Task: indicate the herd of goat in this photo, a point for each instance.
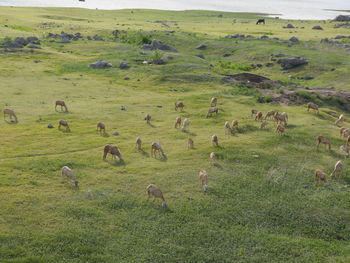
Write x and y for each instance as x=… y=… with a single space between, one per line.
x=281 y=120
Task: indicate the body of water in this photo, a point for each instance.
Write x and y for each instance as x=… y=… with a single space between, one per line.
x=288 y=9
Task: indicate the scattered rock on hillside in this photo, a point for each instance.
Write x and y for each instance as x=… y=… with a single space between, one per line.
x=292 y=62
x=279 y=55
x=334 y=43
x=50 y=126
x=306 y=77
x=200 y=56
x=244 y=77
x=264 y=37
x=158 y=61
x=100 y=65
x=342 y=18
x=158 y=45
x=235 y=36
x=123 y=65
x=201 y=46
x=340 y=37
x=317 y=28
x=20 y=42
x=289 y=26
x=294 y=39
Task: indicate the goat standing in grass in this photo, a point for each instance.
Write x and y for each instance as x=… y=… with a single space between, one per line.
x=179 y=105
x=11 y=113
x=148 y=118
x=185 y=124
x=68 y=173
x=203 y=177
x=155 y=147
x=312 y=106
x=153 y=190
x=138 y=144
x=324 y=140
x=62 y=104
x=101 y=127
x=320 y=176
x=177 y=122
x=113 y=150
x=64 y=124
x=190 y=144
x=213 y=102
x=211 y=111
x=341 y=119
x=215 y=140
x=338 y=167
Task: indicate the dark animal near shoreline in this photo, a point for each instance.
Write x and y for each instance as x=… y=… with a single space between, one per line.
x=260 y=21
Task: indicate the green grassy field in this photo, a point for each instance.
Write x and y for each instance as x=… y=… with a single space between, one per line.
x=262 y=204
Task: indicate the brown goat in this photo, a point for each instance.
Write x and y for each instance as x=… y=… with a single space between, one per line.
x=153 y=190
x=179 y=105
x=212 y=110
x=280 y=129
x=270 y=114
x=253 y=112
x=263 y=124
x=213 y=102
x=320 y=176
x=148 y=118
x=228 y=129
x=138 y=144
x=215 y=140
x=190 y=144
x=212 y=158
x=11 y=113
x=185 y=124
x=259 y=116
x=62 y=104
x=312 y=106
x=113 y=150
x=281 y=118
x=64 y=124
x=203 y=178
x=155 y=147
x=101 y=127
x=177 y=122
x=324 y=140
x=344 y=150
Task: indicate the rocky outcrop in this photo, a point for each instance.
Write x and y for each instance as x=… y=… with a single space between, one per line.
x=292 y=62
x=100 y=65
x=158 y=45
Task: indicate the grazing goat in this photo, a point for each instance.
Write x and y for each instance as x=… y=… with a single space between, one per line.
x=280 y=129
x=179 y=105
x=338 y=167
x=213 y=102
x=155 y=147
x=281 y=118
x=190 y=144
x=101 y=127
x=346 y=133
x=203 y=178
x=320 y=176
x=185 y=125
x=253 y=112
x=212 y=110
x=153 y=190
x=64 y=124
x=113 y=150
x=324 y=140
x=228 y=129
x=270 y=114
x=138 y=144
x=263 y=124
x=215 y=140
x=11 y=113
x=234 y=124
x=312 y=106
x=177 y=122
x=148 y=118
x=212 y=158
x=62 y=104
x=341 y=119
x=341 y=131
x=68 y=173
x=259 y=116
x=344 y=149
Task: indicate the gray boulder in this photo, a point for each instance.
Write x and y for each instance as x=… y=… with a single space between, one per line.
x=201 y=46
x=292 y=62
x=200 y=56
x=100 y=65
x=264 y=37
x=342 y=18
x=235 y=36
x=317 y=28
x=294 y=39
x=123 y=65
x=289 y=26
x=158 y=45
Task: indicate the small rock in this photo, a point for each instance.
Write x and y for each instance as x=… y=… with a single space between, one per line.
x=289 y=26
x=269 y=64
x=294 y=39
x=159 y=61
x=264 y=37
x=123 y=65
x=122 y=108
x=116 y=133
x=126 y=78
x=200 y=56
x=317 y=28
x=50 y=126
x=159 y=106
x=201 y=46
x=100 y=65
x=183 y=90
